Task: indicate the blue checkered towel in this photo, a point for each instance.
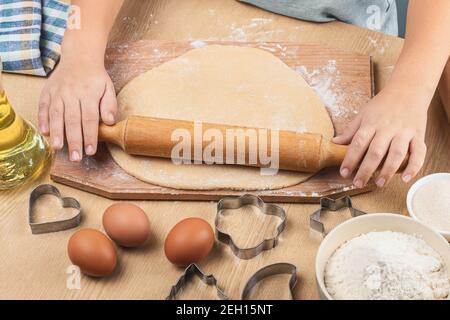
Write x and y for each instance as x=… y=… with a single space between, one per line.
x=31 y=33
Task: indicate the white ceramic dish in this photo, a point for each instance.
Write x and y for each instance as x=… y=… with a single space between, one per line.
x=416 y=186
x=374 y=222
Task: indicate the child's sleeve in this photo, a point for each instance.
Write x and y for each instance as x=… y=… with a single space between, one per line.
x=31 y=33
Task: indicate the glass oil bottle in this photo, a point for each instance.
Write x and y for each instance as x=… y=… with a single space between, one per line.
x=24 y=153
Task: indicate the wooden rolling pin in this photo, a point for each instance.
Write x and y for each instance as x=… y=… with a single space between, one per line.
x=147 y=136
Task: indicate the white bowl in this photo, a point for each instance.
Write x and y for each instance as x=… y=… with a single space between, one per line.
x=416 y=186
x=374 y=222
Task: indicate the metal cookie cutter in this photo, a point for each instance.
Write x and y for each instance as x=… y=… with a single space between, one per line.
x=271 y=270
x=56 y=225
x=331 y=205
x=191 y=271
x=233 y=203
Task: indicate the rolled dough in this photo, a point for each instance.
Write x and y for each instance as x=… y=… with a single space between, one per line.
x=221 y=84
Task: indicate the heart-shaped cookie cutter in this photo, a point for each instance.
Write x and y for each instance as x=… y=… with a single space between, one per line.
x=328 y=204
x=233 y=203
x=194 y=270
x=55 y=225
x=268 y=271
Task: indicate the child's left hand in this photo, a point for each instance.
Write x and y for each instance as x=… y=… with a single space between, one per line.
x=391 y=126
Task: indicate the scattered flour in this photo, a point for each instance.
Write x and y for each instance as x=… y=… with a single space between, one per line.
x=238 y=33
x=379 y=47
x=331 y=66
x=386 y=266
x=90 y=163
x=254 y=30
x=255 y=22
x=157 y=53
x=431 y=204
x=324 y=81
x=198 y=44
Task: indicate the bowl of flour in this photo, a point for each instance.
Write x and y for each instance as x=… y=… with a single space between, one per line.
x=383 y=256
x=428 y=201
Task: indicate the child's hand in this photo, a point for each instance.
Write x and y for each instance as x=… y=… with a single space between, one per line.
x=390 y=127
x=73 y=98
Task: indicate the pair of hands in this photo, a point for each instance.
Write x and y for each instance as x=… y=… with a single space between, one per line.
x=390 y=127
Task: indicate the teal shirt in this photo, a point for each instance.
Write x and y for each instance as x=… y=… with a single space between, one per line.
x=378 y=15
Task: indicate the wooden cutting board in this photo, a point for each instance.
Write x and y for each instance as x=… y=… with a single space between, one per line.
x=344 y=81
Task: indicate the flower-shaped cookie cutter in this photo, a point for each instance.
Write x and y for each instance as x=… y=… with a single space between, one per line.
x=233 y=203
x=54 y=225
x=194 y=271
x=328 y=204
x=268 y=271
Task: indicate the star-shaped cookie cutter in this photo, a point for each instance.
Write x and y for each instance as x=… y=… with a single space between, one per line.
x=328 y=204
x=233 y=203
x=268 y=271
x=194 y=270
x=54 y=225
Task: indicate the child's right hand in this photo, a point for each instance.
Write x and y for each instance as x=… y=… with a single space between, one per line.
x=77 y=95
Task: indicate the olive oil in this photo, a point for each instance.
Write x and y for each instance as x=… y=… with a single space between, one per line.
x=24 y=153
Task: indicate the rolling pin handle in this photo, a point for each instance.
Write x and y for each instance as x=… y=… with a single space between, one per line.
x=114 y=134
x=332 y=154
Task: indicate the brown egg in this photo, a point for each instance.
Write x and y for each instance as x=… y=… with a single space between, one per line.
x=126 y=224
x=92 y=252
x=189 y=241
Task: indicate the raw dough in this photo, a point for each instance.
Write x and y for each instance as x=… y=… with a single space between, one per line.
x=221 y=84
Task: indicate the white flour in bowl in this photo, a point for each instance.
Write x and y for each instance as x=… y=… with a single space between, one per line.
x=431 y=204
x=386 y=265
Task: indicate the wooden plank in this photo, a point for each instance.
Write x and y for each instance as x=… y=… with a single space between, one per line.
x=343 y=79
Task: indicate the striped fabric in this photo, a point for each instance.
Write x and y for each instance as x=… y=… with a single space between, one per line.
x=31 y=33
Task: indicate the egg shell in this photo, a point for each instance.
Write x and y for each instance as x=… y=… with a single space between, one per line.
x=93 y=252
x=189 y=241
x=126 y=224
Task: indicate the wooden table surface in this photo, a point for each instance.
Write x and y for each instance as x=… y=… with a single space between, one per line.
x=34 y=266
